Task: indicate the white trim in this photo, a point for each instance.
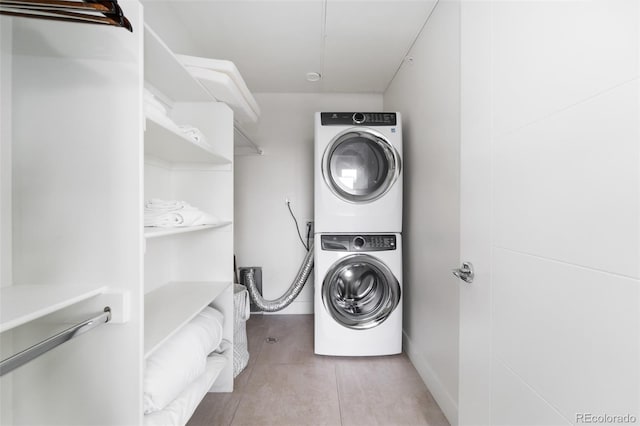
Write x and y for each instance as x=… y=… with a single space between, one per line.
x=447 y=403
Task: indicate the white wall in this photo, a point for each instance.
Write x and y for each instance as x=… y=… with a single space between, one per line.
x=426 y=92
x=264 y=231
x=564 y=151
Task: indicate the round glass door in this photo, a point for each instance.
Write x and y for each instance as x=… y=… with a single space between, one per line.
x=360 y=292
x=360 y=166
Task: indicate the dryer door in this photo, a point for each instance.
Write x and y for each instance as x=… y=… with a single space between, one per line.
x=360 y=165
x=360 y=292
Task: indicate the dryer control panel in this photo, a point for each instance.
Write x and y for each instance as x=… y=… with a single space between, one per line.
x=358 y=242
x=358 y=118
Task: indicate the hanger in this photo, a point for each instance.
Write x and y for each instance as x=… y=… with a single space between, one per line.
x=101 y=12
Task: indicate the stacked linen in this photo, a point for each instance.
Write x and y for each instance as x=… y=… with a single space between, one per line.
x=182 y=408
x=192 y=133
x=157 y=111
x=181 y=360
x=168 y=214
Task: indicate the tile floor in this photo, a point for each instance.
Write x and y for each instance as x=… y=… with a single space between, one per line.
x=286 y=384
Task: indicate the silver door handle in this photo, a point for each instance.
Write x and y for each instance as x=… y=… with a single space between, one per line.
x=465 y=273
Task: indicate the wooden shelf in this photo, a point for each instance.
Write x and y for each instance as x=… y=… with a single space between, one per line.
x=168 y=144
x=166 y=73
x=20 y=304
x=172 y=306
x=153 y=232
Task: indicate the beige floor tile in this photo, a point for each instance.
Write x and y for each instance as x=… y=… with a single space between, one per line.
x=294 y=341
x=286 y=384
x=385 y=391
x=295 y=394
x=216 y=409
x=240 y=382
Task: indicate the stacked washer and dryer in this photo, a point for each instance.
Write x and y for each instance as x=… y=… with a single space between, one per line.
x=358 y=233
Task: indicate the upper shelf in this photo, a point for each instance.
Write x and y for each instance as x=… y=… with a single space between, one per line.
x=170 y=145
x=165 y=72
x=20 y=304
x=173 y=305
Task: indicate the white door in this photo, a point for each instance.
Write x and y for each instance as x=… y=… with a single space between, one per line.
x=550 y=216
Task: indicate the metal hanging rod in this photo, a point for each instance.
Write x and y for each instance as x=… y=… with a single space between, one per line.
x=106 y=6
x=29 y=354
x=102 y=12
x=255 y=146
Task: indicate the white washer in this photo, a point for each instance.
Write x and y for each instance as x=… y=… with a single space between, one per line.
x=358 y=294
x=358 y=172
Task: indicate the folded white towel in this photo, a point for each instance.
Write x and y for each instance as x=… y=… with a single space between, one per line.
x=181 y=359
x=167 y=214
x=192 y=133
x=164 y=205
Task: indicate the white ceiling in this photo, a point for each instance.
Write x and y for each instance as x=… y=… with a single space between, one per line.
x=357 y=45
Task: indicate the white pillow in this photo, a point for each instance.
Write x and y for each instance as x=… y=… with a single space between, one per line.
x=181 y=359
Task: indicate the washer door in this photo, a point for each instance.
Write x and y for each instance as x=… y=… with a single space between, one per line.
x=360 y=292
x=360 y=166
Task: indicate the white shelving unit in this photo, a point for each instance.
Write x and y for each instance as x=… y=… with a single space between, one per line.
x=187 y=273
x=73 y=189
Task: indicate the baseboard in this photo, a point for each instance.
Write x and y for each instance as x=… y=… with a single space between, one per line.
x=447 y=404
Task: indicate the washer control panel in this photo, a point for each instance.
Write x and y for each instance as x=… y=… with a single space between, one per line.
x=358 y=118
x=358 y=242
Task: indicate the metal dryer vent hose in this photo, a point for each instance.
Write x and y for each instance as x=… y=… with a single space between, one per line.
x=290 y=295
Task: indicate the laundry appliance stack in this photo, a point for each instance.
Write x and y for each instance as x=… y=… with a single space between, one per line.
x=358 y=233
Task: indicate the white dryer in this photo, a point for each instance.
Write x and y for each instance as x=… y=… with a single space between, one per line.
x=358 y=172
x=358 y=294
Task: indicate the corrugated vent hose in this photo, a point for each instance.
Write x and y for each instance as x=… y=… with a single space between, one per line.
x=290 y=295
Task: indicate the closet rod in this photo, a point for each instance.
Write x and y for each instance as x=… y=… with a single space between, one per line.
x=105 y=6
x=104 y=12
x=29 y=354
x=257 y=147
